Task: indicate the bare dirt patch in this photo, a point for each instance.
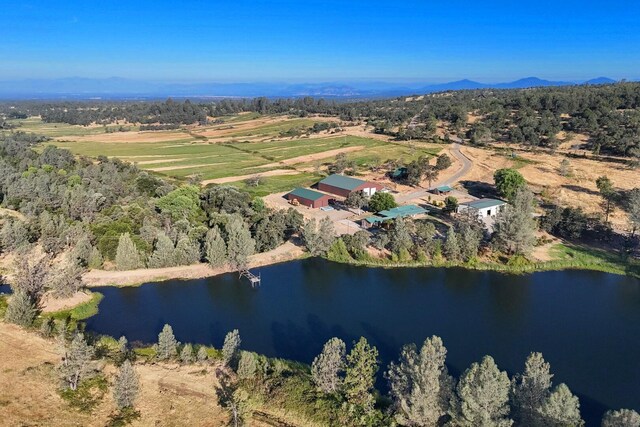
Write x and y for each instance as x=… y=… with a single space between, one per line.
x=275 y=172
x=51 y=304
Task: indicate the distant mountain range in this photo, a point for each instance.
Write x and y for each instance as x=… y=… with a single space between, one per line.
x=120 y=88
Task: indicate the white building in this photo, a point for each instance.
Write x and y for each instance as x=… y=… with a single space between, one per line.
x=485 y=208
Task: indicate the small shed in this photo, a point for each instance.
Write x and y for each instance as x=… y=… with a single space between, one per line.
x=311 y=198
x=443 y=189
x=343 y=185
x=400 y=173
x=484 y=208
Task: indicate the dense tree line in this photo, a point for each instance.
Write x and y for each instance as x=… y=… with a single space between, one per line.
x=107 y=212
x=608 y=114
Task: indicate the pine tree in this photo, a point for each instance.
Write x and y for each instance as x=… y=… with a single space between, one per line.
x=399 y=237
x=66 y=279
x=82 y=251
x=451 y=246
x=21 y=309
x=167 y=344
x=186 y=355
x=621 y=418
x=561 y=408
x=240 y=244
x=127 y=255
x=187 y=251
x=231 y=348
x=530 y=390
x=311 y=237
x=420 y=384
x=362 y=365
x=95 y=259
x=215 y=249
x=329 y=365
x=514 y=229
x=248 y=365
x=76 y=362
x=203 y=356
x=327 y=233
x=482 y=396
x=163 y=254
x=126 y=386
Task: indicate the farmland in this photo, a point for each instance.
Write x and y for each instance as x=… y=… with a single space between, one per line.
x=244 y=145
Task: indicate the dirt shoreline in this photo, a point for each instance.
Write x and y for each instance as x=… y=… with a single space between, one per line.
x=96 y=278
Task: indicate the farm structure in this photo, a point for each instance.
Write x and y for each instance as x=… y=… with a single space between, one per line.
x=484 y=208
x=310 y=198
x=342 y=185
x=443 y=189
x=407 y=211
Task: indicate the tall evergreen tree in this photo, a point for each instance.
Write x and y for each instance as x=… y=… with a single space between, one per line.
x=420 y=384
x=362 y=365
x=76 y=362
x=240 y=244
x=231 y=348
x=215 y=249
x=126 y=386
x=21 y=309
x=187 y=251
x=329 y=365
x=514 y=229
x=163 y=253
x=167 y=344
x=399 y=237
x=451 y=246
x=482 y=397
x=530 y=389
x=186 y=355
x=127 y=255
x=561 y=408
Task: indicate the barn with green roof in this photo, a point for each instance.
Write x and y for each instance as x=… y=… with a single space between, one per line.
x=311 y=198
x=342 y=185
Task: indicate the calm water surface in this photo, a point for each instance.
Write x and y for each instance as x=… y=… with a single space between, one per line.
x=587 y=324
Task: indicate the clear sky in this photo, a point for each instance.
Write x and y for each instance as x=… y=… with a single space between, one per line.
x=286 y=40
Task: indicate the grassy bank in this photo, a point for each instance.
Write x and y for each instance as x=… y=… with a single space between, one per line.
x=564 y=257
x=82 y=311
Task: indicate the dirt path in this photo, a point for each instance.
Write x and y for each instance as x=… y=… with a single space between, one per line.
x=283 y=253
x=466 y=165
x=50 y=304
x=275 y=172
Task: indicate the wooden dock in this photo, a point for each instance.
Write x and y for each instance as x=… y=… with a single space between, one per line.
x=255 y=280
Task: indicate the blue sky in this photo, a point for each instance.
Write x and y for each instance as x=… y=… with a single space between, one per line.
x=312 y=40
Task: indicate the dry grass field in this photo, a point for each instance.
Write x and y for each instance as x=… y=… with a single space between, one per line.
x=170 y=395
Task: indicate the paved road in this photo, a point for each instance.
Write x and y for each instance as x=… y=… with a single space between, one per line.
x=466 y=165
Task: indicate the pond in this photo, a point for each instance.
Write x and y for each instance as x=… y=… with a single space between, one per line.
x=587 y=324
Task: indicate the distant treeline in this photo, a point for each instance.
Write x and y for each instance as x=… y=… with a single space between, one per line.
x=608 y=114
